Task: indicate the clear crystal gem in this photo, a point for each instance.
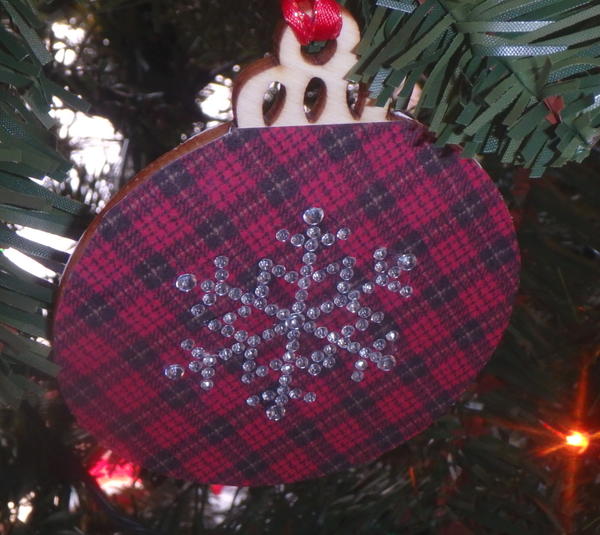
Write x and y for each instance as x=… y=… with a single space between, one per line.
x=313 y=216
x=186 y=283
x=407 y=261
x=174 y=372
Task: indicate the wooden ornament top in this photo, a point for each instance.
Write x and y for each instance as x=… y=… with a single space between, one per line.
x=294 y=70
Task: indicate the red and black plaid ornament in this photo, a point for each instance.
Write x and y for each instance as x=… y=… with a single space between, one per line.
x=268 y=305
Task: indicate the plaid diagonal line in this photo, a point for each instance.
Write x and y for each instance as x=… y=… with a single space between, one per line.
x=119 y=321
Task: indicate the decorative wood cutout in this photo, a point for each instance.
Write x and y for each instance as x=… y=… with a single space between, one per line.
x=295 y=70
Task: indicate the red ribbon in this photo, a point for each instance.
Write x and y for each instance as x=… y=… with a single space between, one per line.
x=323 y=24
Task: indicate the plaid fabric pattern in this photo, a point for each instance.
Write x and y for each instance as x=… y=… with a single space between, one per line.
x=120 y=320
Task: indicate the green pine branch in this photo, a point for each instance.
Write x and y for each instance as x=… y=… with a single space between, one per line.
x=490 y=73
x=27 y=150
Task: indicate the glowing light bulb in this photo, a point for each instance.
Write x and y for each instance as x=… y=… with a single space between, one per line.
x=578 y=440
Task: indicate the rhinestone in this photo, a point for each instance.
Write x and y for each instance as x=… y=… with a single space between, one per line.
x=275 y=364
x=235 y=294
x=288 y=356
x=221 y=261
x=253 y=341
x=406 y=291
x=298 y=307
x=304 y=283
x=209 y=360
x=195 y=366
x=328 y=239
x=244 y=311
x=294 y=345
x=238 y=348
x=368 y=287
x=346 y=274
x=319 y=276
x=214 y=325
x=265 y=264
x=407 y=261
x=377 y=317
x=253 y=401
x=174 y=372
x=228 y=331
x=301 y=295
x=278 y=271
x=343 y=234
x=349 y=261
x=332 y=269
x=260 y=303
x=283 y=314
x=362 y=325
x=208 y=373
x=394 y=286
x=343 y=287
x=247 y=299
x=207 y=384
x=357 y=376
x=209 y=299
x=281 y=400
x=198 y=353
x=249 y=366
x=282 y=235
x=313 y=313
x=313 y=232
x=340 y=301
x=361 y=365
x=375 y=356
x=387 y=363
x=311 y=246
x=301 y=362
x=285 y=379
x=379 y=344
x=287 y=369
x=251 y=353
x=342 y=342
x=225 y=354
x=380 y=253
x=186 y=283
x=268 y=334
x=241 y=336
x=268 y=395
x=207 y=286
x=310 y=397
x=329 y=362
x=275 y=413
x=297 y=240
x=309 y=258
x=314 y=369
x=280 y=329
x=313 y=216
x=392 y=336
x=317 y=356
x=247 y=378
x=393 y=272
x=364 y=352
x=283 y=390
x=382 y=279
x=271 y=310
x=262 y=371
x=291 y=276
x=333 y=337
x=222 y=289
x=306 y=270
x=327 y=307
x=264 y=277
x=296 y=393
x=365 y=312
x=330 y=350
x=310 y=326
x=187 y=345
x=221 y=274
x=381 y=267
x=354 y=307
x=198 y=310
x=321 y=332
x=230 y=317
x=261 y=291
x=347 y=330
x=354 y=295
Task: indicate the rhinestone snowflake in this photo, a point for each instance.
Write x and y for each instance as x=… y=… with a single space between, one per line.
x=292 y=323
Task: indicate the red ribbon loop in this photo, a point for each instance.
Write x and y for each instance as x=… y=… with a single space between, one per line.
x=324 y=24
